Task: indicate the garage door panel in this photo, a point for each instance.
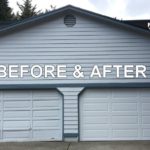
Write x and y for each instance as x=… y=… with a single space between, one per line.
x=145 y=113
x=46 y=103
x=121 y=93
x=95 y=100
x=146 y=107
x=124 y=119
x=124 y=100
x=146 y=120
x=145 y=100
x=46 y=123
x=96 y=126
x=93 y=113
x=16 y=94
x=146 y=133
x=46 y=134
x=124 y=126
x=0 y=114
x=132 y=133
x=16 y=114
x=17 y=104
x=0 y=105
x=97 y=94
x=46 y=97
x=16 y=125
x=14 y=135
x=123 y=114
x=124 y=106
x=145 y=126
x=96 y=120
x=97 y=106
x=45 y=93
x=94 y=134
x=46 y=113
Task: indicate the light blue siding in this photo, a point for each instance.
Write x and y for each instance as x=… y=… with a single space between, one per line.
x=70 y=109
x=88 y=43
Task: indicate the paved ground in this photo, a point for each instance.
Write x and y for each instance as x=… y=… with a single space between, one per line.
x=76 y=146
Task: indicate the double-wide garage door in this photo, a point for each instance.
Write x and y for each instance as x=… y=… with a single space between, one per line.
x=115 y=114
x=30 y=115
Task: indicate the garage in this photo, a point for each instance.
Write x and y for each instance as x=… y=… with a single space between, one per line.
x=30 y=115
x=74 y=75
x=115 y=114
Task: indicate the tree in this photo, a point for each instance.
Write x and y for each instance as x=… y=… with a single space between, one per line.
x=5 y=11
x=27 y=10
x=52 y=7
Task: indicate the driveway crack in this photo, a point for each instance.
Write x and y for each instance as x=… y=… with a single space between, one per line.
x=68 y=146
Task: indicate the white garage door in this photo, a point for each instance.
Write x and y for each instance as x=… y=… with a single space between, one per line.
x=30 y=115
x=115 y=114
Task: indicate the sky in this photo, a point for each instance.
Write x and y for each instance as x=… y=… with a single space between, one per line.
x=120 y=9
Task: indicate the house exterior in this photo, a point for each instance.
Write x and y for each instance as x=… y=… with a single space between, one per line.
x=104 y=106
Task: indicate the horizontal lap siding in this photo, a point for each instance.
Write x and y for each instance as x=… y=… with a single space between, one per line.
x=88 y=43
x=70 y=109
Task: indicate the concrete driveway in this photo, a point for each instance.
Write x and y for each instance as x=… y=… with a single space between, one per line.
x=76 y=146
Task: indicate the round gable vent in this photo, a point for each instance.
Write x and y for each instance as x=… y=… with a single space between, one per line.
x=70 y=20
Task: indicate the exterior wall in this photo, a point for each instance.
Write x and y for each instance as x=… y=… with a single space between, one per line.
x=88 y=43
x=70 y=111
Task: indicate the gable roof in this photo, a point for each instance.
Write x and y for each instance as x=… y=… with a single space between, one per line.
x=67 y=9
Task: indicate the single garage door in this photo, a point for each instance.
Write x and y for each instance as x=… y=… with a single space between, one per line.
x=30 y=115
x=115 y=114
